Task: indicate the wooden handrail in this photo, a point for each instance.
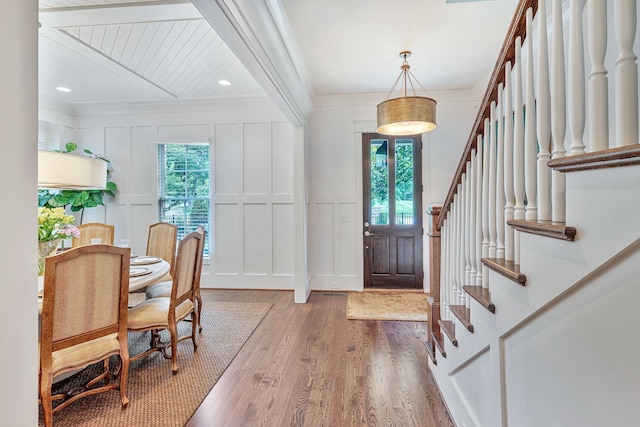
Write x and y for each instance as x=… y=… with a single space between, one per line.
x=517 y=29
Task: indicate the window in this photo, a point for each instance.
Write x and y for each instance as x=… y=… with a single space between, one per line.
x=183 y=187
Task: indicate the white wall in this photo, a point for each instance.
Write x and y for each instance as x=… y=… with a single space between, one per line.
x=251 y=156
x=335 y=178
x=18 y=183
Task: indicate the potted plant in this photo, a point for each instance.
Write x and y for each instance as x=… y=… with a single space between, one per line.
x=78 y=200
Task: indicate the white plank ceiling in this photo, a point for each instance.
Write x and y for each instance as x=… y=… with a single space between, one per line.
x=135 y=53
x=112 y=51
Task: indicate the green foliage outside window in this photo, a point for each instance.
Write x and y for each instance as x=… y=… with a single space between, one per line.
x=184 y=186
x=404 y=180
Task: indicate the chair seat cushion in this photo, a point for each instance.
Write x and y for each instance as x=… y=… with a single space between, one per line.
x=85 y=353
x=159 y=290
x=154 y=314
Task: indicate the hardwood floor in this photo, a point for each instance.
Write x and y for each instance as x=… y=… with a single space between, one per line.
x=307 y=365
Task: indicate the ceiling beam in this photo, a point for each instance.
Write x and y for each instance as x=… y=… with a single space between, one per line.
x=250 y=29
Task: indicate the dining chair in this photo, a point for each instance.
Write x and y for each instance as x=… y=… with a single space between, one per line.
x=84 y=321
x=162 y=289
x=93 y=230
x=161 y=242
x=157 y=314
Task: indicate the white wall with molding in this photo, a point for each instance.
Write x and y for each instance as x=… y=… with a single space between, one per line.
x=251 y=153
x=335 y=178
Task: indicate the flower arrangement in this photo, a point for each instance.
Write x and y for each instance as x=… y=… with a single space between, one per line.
x=54 y=224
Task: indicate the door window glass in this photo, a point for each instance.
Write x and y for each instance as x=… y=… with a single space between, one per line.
x=379 y=182
x=404 y=181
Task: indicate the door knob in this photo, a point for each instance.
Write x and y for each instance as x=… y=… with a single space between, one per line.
x=366 y=233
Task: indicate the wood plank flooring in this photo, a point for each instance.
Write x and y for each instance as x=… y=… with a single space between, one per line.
x=307 y=365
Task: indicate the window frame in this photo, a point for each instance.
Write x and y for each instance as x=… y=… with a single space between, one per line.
x=183 y=228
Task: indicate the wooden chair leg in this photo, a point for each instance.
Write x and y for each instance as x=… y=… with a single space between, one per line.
x=173 y=331
x=124 y=373
x=45 y=400
x=194 y=321
x=199 y=304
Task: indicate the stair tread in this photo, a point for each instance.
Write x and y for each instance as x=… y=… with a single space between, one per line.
x=463 y=314
x=439 y=343
x=508 y=269
x=431 y=352
x=557 y=230
x=482 y=295
x=449 y=329
x=609 y=158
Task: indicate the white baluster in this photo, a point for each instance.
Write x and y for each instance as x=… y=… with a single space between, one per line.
x=518 y=147
x=444 y=276
x=500 y=176
x=455 y=298
x=478 y=217
x=598 y=82
x=485 y=202
x=472 y=219
x=454 y=251
x=530 y=143
x=508 y=163
x=492 y=181
x=558 y=112
x=450 y=278
x=543 y=119
x=460 y=247
x=465 y=225
x=576 y=79
x=626 y=76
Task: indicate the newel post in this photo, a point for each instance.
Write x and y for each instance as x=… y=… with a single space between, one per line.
x=433 y=301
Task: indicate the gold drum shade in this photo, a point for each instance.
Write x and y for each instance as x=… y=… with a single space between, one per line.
x=408 y=115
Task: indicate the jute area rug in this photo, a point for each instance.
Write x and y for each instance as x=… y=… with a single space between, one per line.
x=378 y=305
x=156 y=396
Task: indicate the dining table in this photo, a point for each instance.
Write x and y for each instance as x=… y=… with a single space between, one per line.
x=145 y=271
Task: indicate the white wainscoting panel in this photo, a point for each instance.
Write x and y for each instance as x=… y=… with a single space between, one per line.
x=282 y=246
x=184 y=131
x=227 y=239
x=321 y=238
x=282 y=158
x=144 y=154
x=473 y=383
x=92 y=138
x=228 y=158
x=118 y=151
x=256 y=247
x=348 y=229
x=256 y=155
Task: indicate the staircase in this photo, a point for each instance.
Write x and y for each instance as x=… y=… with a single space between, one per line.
x=535 y=254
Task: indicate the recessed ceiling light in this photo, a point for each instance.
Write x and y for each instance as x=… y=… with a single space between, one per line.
x=63 y=89
x=224 y=82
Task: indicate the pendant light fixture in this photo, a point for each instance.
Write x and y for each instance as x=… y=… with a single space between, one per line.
x=406 y=115
x=70 y=171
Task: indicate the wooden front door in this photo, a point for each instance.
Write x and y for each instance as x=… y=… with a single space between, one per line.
x=392 y=189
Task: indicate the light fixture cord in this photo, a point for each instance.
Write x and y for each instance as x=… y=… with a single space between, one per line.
x=405 y=75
